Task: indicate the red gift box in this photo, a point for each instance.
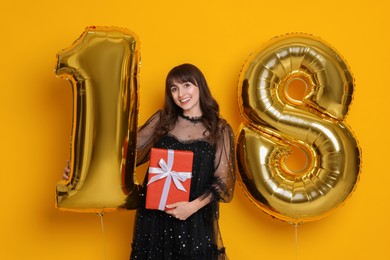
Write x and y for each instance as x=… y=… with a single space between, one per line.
x=169 y=177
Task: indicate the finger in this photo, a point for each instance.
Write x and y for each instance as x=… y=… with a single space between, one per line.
x=171 y=206
x=170 y=212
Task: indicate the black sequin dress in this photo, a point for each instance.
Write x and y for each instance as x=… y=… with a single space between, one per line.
x=158 y=235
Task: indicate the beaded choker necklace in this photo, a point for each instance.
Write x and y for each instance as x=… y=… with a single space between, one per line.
x=194 y=119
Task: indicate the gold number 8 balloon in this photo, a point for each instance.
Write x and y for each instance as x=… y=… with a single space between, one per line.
x=102 y=66
x=276 y=123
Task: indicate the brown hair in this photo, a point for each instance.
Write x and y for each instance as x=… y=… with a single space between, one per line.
x=209 y=106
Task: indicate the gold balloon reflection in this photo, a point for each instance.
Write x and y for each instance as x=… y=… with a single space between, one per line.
x=298 y=160
x=102 y=66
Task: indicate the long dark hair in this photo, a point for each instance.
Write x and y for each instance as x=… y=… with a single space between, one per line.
x=209 y=106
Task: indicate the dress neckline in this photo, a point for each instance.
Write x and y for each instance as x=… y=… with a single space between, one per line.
x=193 y=119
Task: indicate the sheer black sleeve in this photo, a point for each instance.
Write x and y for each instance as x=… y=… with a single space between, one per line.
x=145 y=138
x=145 y=141
x=222 y=187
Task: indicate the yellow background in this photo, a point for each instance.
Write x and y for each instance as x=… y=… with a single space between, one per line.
x=218 y=36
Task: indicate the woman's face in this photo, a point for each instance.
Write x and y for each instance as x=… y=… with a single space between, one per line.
x=186 y=96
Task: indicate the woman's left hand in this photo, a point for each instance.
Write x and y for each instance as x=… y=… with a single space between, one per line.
x=181 y=210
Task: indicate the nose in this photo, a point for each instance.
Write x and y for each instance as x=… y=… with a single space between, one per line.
x=180 y=91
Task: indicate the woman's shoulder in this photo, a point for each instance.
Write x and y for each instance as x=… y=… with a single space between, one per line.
x=153 y=119
x=155 y=116
x=157 y=113
x=223 y=125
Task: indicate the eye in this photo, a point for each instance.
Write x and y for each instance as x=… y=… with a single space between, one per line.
x=173 y=89
x=187 y=84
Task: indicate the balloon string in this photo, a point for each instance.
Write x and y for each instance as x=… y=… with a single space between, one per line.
x=296 y=225
x=100 y=214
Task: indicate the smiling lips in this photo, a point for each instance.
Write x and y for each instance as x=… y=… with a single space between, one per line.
x=184 y=100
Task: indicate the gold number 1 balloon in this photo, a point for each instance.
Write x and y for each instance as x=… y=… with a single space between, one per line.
x=276 y=122
x=102 y=67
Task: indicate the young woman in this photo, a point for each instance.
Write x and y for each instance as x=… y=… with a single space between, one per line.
x=189 y=121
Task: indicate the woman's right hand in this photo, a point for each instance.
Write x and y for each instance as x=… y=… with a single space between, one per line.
x=65 y=175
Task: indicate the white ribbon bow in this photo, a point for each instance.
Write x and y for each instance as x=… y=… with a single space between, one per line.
x=165 y=171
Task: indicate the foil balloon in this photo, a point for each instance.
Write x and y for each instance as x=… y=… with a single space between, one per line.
x=102 y=66
x=277 y=123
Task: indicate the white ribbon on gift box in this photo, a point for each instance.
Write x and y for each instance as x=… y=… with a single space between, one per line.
x=165 y=171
